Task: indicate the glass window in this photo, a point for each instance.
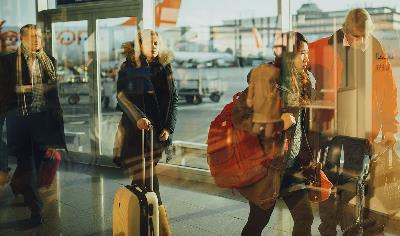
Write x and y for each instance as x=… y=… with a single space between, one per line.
x=11 y=22
x=356 y=78
x=70 y=49
x=111 y=34
x=215 y=44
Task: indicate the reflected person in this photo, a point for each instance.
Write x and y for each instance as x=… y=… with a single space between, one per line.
x=29 y=98
x=347 y=59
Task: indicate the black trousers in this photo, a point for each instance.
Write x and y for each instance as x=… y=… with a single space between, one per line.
x=24 y=180
x=299 y=207
x=26 y=140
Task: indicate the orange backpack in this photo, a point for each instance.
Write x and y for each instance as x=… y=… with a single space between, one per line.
x=235 y=157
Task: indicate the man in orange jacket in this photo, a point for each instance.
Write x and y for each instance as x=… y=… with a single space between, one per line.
x=332 y=69
x=336 y=62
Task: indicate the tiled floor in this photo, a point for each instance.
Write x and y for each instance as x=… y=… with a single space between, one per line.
x=80 y=203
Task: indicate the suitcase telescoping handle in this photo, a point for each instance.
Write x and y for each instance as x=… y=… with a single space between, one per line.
x=151 y=158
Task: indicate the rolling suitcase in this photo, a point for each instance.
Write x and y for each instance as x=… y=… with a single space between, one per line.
x=135 y=209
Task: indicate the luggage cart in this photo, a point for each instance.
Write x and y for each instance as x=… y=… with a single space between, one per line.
x=195 y=84
x=73 y=91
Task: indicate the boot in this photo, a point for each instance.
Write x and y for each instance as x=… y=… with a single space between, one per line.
x=165 y=230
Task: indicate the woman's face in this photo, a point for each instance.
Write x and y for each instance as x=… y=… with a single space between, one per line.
x=150 y=46
x=301 y=58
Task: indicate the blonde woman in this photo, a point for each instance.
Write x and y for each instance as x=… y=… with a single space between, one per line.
x=145 y=82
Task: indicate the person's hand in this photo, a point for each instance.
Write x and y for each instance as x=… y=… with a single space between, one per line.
x=288 y=120
x=389 y=139
x=164 y=135
x=143 y=123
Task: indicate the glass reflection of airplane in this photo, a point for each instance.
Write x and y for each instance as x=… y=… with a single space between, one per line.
x=203 y=59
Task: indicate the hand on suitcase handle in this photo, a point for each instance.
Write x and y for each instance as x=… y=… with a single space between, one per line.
x=143 y=123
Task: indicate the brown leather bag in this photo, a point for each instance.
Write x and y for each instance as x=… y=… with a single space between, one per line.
x=265 y=192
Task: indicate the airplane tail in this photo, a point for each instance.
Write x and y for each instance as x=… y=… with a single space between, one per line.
x=167 y=12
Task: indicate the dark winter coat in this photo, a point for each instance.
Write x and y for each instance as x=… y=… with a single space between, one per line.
x=9 y=98
x=150 y=93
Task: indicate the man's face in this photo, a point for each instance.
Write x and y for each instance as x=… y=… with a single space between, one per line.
x=357 y=38
x=32 y=39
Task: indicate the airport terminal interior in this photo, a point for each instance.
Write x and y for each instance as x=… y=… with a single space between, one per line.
x=215 y=45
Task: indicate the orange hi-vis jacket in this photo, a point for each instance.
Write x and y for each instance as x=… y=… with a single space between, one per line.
x=327 y=67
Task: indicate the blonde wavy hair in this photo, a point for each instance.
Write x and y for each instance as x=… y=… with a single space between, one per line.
x=360 y=19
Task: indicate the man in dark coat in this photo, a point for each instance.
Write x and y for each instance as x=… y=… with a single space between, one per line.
x=29 y=98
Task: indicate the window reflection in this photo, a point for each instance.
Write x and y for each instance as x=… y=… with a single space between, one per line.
x=70 y=48
x=111 y=34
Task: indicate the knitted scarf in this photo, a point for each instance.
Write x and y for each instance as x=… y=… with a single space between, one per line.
x=38 y=62
x=44 y=62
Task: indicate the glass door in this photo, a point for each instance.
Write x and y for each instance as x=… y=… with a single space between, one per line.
x=111 y=33
x=70 y=49
x=86 y=42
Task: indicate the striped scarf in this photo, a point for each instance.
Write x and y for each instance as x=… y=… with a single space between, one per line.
x=44 y=62
x=38 y=62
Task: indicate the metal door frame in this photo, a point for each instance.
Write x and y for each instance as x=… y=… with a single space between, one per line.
x=90 y=12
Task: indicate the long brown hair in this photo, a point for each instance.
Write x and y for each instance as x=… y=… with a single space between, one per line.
x=296 y=84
